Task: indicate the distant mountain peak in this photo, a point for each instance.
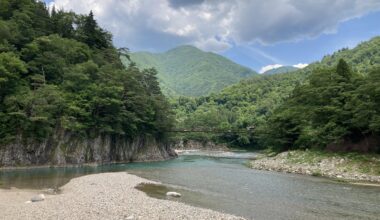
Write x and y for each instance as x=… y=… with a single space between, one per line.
x=189 y=71
x=185 y=49
x=185 y=46
x=281 y=69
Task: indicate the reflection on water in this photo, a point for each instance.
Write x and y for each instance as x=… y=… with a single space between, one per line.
x=225 y=184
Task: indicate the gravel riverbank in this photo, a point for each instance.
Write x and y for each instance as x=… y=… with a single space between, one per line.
x=348 y=167
x=99 y=196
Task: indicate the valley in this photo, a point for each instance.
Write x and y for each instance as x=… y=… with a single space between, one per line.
x=208 y=123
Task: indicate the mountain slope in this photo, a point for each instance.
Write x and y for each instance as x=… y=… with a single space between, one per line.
x=283 y=69
x=362 y=58
x=250 y=102
x=189 y=71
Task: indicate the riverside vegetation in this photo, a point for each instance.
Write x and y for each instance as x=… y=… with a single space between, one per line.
x=350 y=166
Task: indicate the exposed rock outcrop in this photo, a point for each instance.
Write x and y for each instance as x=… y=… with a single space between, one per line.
x=64 y=148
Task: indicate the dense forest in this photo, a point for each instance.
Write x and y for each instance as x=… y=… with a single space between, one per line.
x=238 y=107
x=59 y=70
x=335 y=104
x=327 y=102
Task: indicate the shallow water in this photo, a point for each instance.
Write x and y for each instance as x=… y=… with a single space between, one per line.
x=226 y=184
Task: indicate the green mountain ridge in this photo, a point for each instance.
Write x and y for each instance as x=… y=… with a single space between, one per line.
x=189 y=71
x=279 y=70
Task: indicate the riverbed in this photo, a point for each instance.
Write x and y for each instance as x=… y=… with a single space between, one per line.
x=224 y=183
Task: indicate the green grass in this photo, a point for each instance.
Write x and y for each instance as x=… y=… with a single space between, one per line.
x=363 y=163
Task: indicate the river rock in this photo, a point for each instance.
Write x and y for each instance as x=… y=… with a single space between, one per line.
x=38 y=198
x=173 y=194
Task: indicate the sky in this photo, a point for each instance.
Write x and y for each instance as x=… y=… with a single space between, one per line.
x=260 y=34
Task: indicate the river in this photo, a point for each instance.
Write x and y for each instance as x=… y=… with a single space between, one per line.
x=224 y=183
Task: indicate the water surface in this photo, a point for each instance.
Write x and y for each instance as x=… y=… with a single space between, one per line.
x=226 y=184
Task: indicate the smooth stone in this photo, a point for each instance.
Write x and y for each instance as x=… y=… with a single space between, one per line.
x=38 y=198
x=174 y=194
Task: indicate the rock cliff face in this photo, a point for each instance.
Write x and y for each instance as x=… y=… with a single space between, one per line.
x=66 y=148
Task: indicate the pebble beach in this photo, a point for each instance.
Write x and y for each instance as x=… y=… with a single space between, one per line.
x=99 y=196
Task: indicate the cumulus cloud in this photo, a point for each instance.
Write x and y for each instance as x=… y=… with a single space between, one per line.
x=270 y=67
x=212 y=44
x=217 y=24
x=301 y=65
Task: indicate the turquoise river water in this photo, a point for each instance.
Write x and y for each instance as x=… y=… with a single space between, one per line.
x=224 y=183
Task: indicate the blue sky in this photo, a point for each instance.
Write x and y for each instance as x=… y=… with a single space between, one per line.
x=348 y=34
x=254 y=33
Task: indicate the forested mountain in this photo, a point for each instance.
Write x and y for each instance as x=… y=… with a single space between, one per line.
x=59 y=71
x=282 y=69
x=189 y=71
x=314 y=106
x=361 y=58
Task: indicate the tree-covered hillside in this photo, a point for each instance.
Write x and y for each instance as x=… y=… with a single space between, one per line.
x=361 y=58
x=188 y=71
x=59 y=71
x=335 y=105
x=245 y=104
x=314 y=106
x=279 y=70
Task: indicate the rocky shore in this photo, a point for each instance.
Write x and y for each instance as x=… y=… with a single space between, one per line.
x=346 y=167
x=99 y=196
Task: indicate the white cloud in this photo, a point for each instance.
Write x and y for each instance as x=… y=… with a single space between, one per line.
x=217 y=24
x=273 y=21
x=270 y=67
x=212 y=44
x=301 y=65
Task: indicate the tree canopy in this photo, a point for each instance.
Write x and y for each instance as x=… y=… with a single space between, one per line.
x=59 y=70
